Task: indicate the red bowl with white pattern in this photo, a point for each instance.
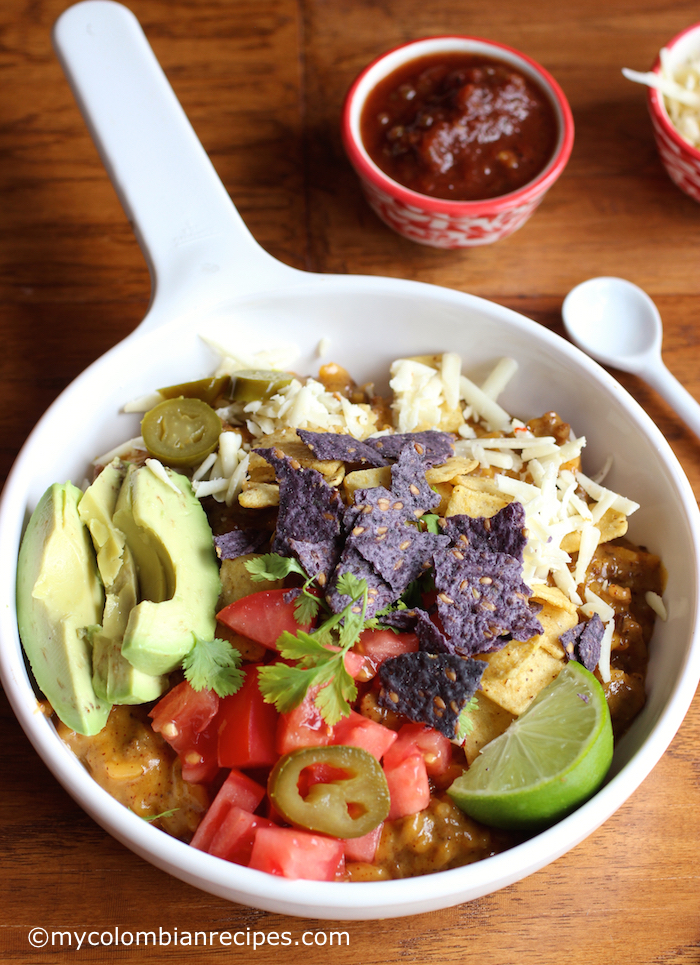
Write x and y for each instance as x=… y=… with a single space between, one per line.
x=438 y=222
x=679 y=157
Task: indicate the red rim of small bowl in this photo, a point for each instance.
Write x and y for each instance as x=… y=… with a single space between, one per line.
x=656 y=101
x=367 y=169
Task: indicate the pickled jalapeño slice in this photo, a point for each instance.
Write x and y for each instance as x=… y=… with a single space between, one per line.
x=335 y=790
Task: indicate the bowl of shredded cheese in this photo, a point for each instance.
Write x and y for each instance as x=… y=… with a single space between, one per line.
x=674 y=106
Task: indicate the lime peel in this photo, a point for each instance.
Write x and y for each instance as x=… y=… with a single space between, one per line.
x=547 y=763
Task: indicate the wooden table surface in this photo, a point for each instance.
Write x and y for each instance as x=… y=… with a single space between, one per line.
x=262 y=82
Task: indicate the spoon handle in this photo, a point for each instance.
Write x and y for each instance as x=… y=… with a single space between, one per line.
x=668 y=386
x=197 y=247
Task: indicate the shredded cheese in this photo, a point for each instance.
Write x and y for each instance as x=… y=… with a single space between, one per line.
x=680 y=87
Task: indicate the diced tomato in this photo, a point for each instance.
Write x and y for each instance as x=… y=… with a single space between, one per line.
x=297 y=854
x=263 y=616
x=238 y=791
x=359 y=731
x=364 y=848
x=378 y=645
x=185 y=718
x=247 y=726
x=433 y=746
x=234 y=839
x=408 y=786
x=354 y=663
x=302 y=727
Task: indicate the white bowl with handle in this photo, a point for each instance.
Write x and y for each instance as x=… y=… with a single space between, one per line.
x=210 y=277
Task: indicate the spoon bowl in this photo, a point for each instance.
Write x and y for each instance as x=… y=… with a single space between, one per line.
x=618 y=325
x=614 y=322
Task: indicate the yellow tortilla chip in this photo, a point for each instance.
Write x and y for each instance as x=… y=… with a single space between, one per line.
x=555 y=621
x=450 y=470
x=259 y=495
x=612 y=524
x=470 y=502
x=366 y=479
x=544 y=593
x=488 y=722
x=516 y=674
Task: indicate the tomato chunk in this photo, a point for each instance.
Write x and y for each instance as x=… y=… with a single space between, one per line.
x=302 y=727
x=263 y=616
x=186 y=719
x=359 y=731
x=364 y=848
x=247 y=725
x=235 y=838
x=289 y=853
x=408 y=786
x=422 y=739
x=378 y=645
x=237 y=792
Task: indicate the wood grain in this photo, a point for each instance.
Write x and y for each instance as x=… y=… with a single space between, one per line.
x=263 y=82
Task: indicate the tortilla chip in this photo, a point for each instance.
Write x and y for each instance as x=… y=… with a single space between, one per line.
x=488 y=722
x=366 y=479
x=555 y=621
x=612 y=524
x=450 y=470
x=259 y=495
x=469 y=502
x=444 y=491
x=552 y=595
x=516 y=674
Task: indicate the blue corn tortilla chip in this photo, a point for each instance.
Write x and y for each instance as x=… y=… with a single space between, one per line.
x=239 y=542
x=430 y=637
x=482 y=600
x=432 y=446
x=399 y=553
x=338 y=445
x=380 y=595
x=429 y=688
x=503 y=533
x=310 y=511
x=582 y=642
x=318 y=559
x=409 y=486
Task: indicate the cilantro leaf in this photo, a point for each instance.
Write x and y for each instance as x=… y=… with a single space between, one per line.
x=306 y=607
x=430 y=522
x=465 y=724
x=272 y=566
x=213 y=664
x=284 y=686
x=334 y=700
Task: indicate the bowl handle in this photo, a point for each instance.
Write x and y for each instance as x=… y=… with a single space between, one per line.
x=196 y=245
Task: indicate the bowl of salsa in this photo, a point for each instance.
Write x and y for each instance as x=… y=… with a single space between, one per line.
x=455 y=139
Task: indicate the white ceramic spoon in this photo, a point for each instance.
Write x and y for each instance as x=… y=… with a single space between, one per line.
x=616 y=323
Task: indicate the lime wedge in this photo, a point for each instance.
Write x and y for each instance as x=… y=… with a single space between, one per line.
x=549 y=761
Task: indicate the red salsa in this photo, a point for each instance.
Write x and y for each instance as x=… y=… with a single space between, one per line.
x=459 y=126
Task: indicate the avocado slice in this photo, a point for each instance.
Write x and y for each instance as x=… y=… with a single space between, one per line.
x=168 y=533
x=113 y=677
x=59 y=596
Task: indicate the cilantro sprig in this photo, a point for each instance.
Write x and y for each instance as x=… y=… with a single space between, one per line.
x=319 y=658
x=213 y=664
x=270 y=566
